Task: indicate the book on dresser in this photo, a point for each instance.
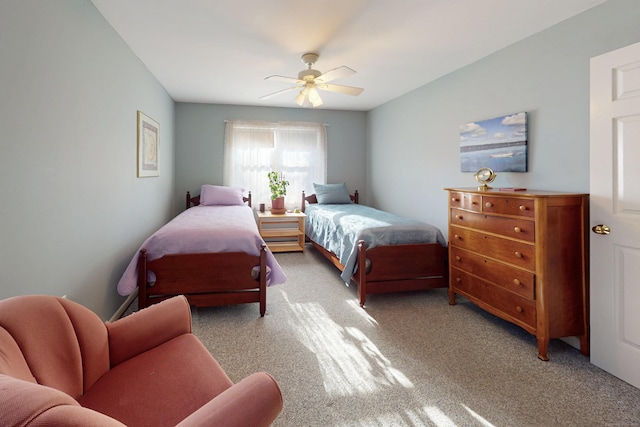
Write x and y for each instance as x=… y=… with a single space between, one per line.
x=524 y=258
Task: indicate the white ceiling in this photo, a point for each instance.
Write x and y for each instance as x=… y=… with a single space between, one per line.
x=220 y=51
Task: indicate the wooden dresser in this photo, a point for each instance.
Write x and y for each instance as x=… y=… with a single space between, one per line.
x=523 y=256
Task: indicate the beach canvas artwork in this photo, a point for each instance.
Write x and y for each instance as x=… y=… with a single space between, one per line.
x=499 y=144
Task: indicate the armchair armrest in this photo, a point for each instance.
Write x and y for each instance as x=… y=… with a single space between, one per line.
x=148 y=328
x=255 y=401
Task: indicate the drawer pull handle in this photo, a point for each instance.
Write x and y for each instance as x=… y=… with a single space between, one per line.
x=488 y=204
x=516 y=282
x=523 y=208
x=453 y=199
x=458 y=280
x=518 y=254
x=517 y=229
x=457 y=258
x=459 y=217
x=456 y=237
x=519 y=309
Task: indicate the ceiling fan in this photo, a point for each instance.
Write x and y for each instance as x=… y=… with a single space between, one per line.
x=310 y=80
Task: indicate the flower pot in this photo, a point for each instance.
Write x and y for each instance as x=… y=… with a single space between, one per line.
x=277 y=206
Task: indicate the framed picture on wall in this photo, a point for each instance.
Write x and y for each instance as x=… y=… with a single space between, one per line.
x=499 y=143
x=148 y=146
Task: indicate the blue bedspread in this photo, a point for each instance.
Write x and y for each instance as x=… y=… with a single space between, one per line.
x=338 y=228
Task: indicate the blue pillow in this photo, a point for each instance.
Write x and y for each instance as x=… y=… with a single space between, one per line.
x=332 y=193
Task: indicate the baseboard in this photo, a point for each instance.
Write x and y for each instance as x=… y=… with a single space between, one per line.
x=572 y=341
x=118 y=314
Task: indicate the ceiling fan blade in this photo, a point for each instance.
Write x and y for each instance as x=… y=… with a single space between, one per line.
x=285 y=79
x=281 y=91
x=347 y=90
x=336 y=73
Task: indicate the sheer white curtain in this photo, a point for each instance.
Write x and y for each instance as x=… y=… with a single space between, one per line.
x=297 y=149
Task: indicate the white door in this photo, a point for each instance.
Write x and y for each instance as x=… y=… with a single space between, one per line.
x=615 y=209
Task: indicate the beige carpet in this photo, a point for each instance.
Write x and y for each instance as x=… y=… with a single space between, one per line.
x=406 y=360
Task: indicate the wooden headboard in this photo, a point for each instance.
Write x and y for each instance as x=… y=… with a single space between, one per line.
x=195 y=200
x=313 y=199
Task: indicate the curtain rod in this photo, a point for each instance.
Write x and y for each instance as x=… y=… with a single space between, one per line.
x=323 y=124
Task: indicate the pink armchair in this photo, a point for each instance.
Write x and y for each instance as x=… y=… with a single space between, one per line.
x=61 y=365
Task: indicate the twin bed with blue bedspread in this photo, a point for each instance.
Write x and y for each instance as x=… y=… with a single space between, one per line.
x=381 y=252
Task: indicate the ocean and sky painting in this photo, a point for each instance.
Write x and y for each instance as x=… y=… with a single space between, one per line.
x=499 y=144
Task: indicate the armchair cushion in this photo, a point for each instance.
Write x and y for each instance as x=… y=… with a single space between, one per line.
x=173 y=379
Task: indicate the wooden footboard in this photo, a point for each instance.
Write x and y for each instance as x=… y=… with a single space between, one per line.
x=400 y=268
x=206 y=279
x=396 y=268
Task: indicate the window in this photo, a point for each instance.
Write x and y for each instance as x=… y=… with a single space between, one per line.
x=252 y=149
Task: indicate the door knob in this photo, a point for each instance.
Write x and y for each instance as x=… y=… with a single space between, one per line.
x=601 y=229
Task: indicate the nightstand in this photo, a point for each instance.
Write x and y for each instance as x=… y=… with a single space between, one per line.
x=282 y=233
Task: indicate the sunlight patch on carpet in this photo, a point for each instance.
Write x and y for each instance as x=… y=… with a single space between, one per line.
x=428 y=416
x=360 y=311
x=437 y=417
x=350 y=363
x=477 y=416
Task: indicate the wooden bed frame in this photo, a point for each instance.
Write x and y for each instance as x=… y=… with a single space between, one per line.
x=206 y=279
x=392 y=268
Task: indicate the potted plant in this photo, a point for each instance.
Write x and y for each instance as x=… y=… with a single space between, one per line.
x=278 y=186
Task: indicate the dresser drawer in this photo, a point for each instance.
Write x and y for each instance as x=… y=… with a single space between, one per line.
x=465 y=201
x=508 y=206
x=516 y=228
x=513 y=252
x=513 y=279
x=502 y=302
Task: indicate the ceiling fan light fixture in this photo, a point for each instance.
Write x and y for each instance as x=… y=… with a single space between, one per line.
x=314 y=97
x=300 y=98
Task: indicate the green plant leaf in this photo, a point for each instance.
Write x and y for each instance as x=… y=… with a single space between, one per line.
x=277 y=184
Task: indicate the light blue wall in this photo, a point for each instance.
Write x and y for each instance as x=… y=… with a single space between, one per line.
x=72 y=211
x=200 y=142
x=413 y=150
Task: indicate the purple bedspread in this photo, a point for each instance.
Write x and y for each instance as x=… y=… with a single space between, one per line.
x=204 y=229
